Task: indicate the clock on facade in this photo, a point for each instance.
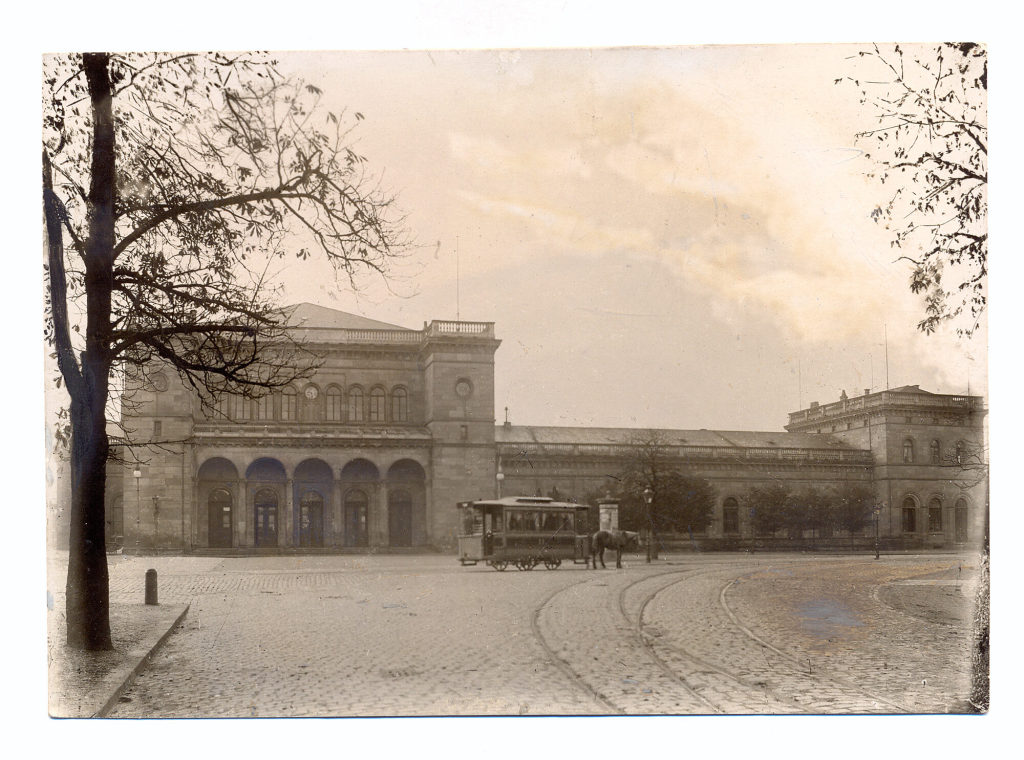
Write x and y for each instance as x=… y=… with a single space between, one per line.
x=310 y=392
x=463 y=388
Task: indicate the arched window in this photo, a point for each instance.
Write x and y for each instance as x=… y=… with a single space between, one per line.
x=959 y=452
x=909 y=515
x=289 y=404
x=730 y=516
x=264 y=408
x=935 y=516
x=333 y=405
x=355 y=404
x=399 y=405
x=936 y=452
x=960 y=520
x=377 y=405
x=908 y=450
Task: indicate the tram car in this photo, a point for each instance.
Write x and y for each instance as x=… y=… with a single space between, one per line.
x=523 y=531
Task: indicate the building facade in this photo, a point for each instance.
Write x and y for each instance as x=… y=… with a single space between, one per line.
x=396 y=426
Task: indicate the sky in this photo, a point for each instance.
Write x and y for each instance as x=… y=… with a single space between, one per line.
x=663 y=236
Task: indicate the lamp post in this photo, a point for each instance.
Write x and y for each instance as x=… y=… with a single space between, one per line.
x=499 y=477
x=877 y=511
x=156 y=524
x=648 y=498
x=137 y=474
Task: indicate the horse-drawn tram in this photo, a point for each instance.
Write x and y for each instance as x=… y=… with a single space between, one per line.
x=524 y=531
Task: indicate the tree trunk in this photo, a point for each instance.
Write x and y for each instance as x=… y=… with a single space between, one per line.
x=88 y=592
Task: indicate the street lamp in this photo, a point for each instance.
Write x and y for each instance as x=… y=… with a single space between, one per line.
x=877 y=511
x=648 y=498
x=137 y=474
x=156 y=524
x=499 y=477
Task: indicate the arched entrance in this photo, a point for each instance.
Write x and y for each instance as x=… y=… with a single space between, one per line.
x=313 y=486
x=265 y=523
x=399 y=517
x=311 y=519
x=406 y=485
x=356 y=513
x=217 y=494
x=360 y=481
x=220 y=518
x=266 y=482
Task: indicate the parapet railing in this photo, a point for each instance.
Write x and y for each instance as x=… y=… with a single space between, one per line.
x=510 y=452
x=887 y=398
x=435 y=329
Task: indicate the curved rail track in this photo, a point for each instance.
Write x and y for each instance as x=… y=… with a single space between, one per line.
x=711 y=686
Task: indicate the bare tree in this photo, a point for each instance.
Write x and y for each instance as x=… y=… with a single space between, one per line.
x=931 y=147
x=169 y=184
x=679 y=501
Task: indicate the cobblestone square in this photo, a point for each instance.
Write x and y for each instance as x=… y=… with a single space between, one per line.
x=394 y=635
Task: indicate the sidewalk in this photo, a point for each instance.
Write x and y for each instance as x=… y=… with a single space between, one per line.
x=88 y=684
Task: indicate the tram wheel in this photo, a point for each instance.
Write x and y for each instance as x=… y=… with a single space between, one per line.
x=499 y=564
x=524 y=564
x=552 y=564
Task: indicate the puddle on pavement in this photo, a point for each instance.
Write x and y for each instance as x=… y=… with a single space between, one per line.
x=827 y=618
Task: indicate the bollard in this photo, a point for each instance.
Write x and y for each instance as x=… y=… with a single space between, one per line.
x=151 y=587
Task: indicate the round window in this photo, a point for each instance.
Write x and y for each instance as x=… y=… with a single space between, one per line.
x=463 y=388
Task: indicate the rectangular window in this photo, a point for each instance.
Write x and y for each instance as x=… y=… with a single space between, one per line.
x=288 y=405
x=241 y=408
x=158 y=430
x=263 y=408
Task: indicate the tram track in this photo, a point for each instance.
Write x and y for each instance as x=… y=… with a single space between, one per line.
x=575 y=678
x=772 y=687
x=699 y=664
x=795 y=665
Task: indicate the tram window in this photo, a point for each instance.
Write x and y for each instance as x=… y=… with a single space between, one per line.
x=550 y=521
x=529 y=521
x=566 y=522
x=514 y=523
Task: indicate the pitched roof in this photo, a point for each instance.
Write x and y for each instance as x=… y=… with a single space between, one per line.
x=740 y=438
x=312 y=315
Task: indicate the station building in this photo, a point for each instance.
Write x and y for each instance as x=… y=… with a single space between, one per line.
x=398 y=425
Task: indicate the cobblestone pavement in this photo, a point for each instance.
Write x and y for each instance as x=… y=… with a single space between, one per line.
x=420 y=635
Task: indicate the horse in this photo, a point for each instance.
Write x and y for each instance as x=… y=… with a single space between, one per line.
x=612 y=539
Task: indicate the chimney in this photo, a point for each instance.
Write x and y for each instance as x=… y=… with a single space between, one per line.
x=867 y=391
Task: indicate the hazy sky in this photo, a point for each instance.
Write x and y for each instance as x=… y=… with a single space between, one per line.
x=676 y=237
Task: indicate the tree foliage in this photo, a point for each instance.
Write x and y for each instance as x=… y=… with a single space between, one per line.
x=931 y=148
x=680 y=502
x=171 y=184
x=852 y=506
x=770 y=508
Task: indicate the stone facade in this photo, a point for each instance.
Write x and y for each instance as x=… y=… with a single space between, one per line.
x=396 y=426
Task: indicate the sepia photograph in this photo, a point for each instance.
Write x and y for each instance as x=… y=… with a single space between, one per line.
x=645 y=380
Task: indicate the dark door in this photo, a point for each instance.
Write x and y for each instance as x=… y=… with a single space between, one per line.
x=265 y=526
x=400 y=518
x=356 y=505
x=220 y=518
x=311 y=519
